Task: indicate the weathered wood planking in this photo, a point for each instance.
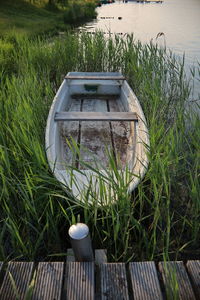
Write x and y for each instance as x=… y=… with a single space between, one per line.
x=48 y=281
x=176 y=280
x=70 y=258
x=95 y=116
x=144 y=279
x=193 y=267
x=95 y=137
x=100 y=256
x=16 y=280
x=70 y=255
x=80 y=283
x=121 y=135
x=70 y=130
x=113 y=281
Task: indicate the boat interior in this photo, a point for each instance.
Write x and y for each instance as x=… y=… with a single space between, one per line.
x=96 y=137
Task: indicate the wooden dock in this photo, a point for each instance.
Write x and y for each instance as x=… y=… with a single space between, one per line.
x=99 y=280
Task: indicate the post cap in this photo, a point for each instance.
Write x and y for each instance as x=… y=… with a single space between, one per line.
x=78 y=231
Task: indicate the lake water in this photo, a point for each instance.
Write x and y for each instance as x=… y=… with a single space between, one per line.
x=179 y=20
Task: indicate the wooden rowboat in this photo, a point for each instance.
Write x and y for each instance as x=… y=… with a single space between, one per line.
x=100 y=113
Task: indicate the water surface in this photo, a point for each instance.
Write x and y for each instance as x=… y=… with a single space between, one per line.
x=179 y=20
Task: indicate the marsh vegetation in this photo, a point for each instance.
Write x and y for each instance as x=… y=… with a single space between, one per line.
x=161 y=218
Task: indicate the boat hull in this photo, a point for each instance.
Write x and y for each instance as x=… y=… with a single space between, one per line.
x=81 y=151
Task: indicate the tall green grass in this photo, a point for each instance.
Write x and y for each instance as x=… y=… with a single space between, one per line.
x=29 y=18
x=34 y=18
x=161 y=218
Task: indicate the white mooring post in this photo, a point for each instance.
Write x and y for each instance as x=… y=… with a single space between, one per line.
x=81 y=242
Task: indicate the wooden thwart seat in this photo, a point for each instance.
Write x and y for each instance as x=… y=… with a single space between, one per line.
x=96 y=96
x=95 y=116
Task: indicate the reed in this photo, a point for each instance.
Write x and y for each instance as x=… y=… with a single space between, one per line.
x=161 y=218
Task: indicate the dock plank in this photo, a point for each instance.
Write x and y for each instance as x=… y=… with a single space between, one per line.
x=16 y=280
x=100 y=280
x=193 y=267
x=144 y=279
x=48 y=281
x=80 y=283
x=176 y=280
x=113 y=281
x=100 y=258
